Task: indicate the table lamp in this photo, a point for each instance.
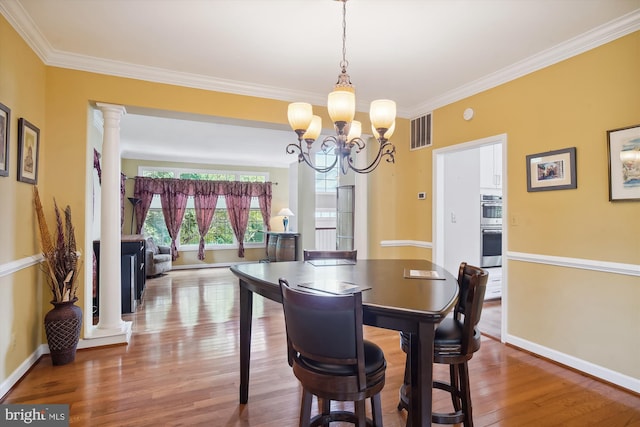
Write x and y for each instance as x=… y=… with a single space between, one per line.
x=285 y=213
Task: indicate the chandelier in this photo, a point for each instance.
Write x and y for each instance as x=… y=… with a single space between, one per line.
x=341 y=105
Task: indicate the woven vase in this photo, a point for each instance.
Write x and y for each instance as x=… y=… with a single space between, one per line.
x=62 y=325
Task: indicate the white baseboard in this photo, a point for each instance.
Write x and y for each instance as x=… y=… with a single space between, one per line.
x=199 y=266
x=622 y=380
x=122 y=337
x=24 y=367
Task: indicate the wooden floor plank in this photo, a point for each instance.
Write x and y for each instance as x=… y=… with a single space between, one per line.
x=181 y=369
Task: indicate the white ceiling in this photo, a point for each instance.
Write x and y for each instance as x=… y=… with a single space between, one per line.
x=421 y=53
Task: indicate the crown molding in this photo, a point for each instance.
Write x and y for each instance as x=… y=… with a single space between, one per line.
x=598 y=36
x=24 y=25
x=20 y=20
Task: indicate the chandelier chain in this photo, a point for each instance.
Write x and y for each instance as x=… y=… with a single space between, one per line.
x=344 y=64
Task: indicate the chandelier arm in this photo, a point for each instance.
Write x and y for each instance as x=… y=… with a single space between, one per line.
x=293 y=148
x=329 y=142
x=326 y=169
x=306 y=158
x=359 y=143
x=386 y=150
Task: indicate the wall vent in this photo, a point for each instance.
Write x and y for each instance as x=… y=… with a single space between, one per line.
x=421 y=131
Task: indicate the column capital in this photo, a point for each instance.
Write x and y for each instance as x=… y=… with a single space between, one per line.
x=118 y=110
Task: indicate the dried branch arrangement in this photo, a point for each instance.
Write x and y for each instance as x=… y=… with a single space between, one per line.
x=59 y=252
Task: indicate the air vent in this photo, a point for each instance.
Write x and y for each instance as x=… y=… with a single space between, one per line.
x=421 y=132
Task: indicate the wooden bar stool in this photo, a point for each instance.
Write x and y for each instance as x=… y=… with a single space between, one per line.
x=457 y=338
x=329 y=356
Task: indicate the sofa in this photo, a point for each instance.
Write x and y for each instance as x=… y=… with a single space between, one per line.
x=157 y=258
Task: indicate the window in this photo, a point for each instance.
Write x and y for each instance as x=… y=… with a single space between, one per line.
x=154 y=225
x=326 y=182
x=220 y=234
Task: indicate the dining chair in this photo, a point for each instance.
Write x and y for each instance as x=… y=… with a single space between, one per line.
x=309 y=255
x=330 y=358
x=457 y=338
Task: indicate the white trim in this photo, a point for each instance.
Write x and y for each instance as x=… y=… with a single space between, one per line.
x=578 y=263
x=584 y=264
x=593 y=38
x=437 y=189
x=400 y=243
x=24 y=367
x=20 y=264
x=200 y=266
x=438 y=207
x=597 y=371
x=43 y=349
x=25 y=27
x=95 y=337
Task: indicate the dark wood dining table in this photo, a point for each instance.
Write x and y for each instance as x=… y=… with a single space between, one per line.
x=414 y=306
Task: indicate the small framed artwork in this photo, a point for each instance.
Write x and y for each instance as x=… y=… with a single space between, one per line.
x=624 y=163
x=553 y=170
x=28 y=147
x=5 y=127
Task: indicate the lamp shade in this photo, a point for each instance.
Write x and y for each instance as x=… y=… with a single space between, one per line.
x=355 y=130
x=285 y=212
x=341 y=105
x=299 y=115
x=314 y=129
x=382 y=113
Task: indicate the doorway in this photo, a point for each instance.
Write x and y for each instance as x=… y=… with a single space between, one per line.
x=459 y=181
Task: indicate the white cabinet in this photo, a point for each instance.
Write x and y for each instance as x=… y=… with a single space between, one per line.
x=491 y=166
x=494 y=283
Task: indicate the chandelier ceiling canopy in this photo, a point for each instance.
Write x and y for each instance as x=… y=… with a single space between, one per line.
x=341 y=104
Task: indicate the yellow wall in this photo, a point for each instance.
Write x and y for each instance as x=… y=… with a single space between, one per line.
x=22 y=297
x=570 y=104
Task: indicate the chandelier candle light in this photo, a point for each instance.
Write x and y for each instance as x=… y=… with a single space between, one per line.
x=341 y=104
x=285 y=213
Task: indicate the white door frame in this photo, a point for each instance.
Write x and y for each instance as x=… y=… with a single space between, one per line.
x=438 y=208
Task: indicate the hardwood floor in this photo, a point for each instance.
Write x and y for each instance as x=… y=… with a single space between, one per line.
x=491 y=319
x=181 y=369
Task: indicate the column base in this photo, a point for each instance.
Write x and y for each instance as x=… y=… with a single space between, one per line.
x=96 y=337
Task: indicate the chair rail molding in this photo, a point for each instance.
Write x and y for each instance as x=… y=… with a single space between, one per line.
x=20 y=264
x=579 y=263
x=400 y=243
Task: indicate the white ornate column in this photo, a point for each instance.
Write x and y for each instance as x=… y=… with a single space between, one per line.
x=110 y=288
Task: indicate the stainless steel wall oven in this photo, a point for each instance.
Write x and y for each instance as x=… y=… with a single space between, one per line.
x=490 y=230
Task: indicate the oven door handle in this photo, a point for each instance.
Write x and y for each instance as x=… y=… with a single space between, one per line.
x=492 y=231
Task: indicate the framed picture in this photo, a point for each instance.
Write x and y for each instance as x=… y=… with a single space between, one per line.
x=624 y=163
x=28 y=147
x=553 y=170
x=5 y=125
